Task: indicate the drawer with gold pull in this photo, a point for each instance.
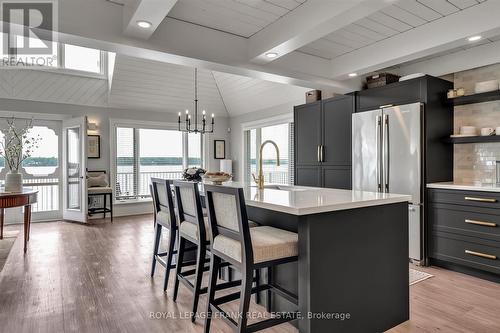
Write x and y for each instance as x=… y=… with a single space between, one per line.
x=467 y=198
x=466 y=251
x=482 y=223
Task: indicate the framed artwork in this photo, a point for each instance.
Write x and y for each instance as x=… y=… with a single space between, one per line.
x=93 y=146
x=219 y=149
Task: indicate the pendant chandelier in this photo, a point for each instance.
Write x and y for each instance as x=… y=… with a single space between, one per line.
x=195 y=127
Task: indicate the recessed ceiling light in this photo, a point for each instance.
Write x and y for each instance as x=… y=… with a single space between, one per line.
x=271 y=55
x=144 y=24
x=353 y=74
x=474 y=38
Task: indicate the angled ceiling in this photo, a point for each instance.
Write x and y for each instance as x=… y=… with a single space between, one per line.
x=145 y=84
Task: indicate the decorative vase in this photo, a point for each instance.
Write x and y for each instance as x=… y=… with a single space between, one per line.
x=13 y=181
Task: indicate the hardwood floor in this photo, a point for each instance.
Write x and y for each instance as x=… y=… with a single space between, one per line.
x=95 y=278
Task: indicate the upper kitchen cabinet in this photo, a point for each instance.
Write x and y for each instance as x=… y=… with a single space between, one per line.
x=337 y=118
x=323 y=142
x=405 y=92
x=307 y=120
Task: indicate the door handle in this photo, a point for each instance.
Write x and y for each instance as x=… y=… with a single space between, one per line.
x=481 y=199
x=322 y=153
x=319 y=153
x=386 y=152
x=378 y=133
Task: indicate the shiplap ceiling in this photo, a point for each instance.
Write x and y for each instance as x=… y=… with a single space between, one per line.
x=397 y=18
x=144 y=84
x=240 y=17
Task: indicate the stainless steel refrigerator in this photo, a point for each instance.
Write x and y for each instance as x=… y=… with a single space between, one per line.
x=387 y=157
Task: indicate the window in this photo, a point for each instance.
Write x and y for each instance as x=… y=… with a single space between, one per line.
x=143 y=153
x=63 y=56
x=82 y=59
x=282 y=135
x=194 y=150
x=44 y=158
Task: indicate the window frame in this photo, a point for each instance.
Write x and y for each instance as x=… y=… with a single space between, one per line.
x=257 y=125
x=136 y=125
x=61 y=69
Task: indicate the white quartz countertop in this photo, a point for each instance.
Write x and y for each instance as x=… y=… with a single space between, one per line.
x=301 y=200
x=465 y=186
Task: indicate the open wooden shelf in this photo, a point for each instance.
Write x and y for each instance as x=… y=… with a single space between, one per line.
x=473 y=139
x=476 y=98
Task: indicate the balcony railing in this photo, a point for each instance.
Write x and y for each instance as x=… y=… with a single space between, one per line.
x=48 y=193
x=125 y=186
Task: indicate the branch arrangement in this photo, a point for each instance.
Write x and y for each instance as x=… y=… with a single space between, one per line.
x=18 y=144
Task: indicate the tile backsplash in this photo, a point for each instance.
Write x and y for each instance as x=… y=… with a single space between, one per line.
x=476 y=162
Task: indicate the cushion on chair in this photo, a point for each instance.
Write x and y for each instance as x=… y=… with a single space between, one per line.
x=99 y=190
x=163 y=218
x=268 y=244
x=191 y=230
x=97 y=181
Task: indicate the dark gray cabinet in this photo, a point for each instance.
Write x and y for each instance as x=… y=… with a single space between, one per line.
x=464 y=231
x=323 y=143
x=405 y=92
x=337 y=117
x=307 y=120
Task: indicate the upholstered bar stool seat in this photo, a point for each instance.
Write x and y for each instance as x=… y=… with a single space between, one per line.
x=99 y=190
x=190 y=230
x=268 y=243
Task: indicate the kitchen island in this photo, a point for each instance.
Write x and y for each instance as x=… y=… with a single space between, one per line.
x=352 y=273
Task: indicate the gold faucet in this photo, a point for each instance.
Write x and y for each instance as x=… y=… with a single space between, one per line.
x=259 y=180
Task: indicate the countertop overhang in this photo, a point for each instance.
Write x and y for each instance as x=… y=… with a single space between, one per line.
x=301 y=200
x=465 y=186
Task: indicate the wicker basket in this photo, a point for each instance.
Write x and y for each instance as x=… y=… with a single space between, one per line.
x=379 y=80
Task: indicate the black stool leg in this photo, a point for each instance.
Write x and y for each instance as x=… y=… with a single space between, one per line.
x=214 y=270
x=268 y=294
x=257 y=283
x=105 y=205
x=200 y=263
x=156 y=246
x=246 y=293
x=180 y=259
x=170 y=254
x=111 y=206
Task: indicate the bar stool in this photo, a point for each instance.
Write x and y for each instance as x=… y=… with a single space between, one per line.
x=164 y=218
x=247 y=250
x=193 y=228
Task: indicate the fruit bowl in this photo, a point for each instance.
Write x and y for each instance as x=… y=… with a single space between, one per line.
x=216 y=178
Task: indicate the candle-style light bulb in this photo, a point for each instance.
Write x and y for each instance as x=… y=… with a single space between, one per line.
x=187 y=111
x=179 y=114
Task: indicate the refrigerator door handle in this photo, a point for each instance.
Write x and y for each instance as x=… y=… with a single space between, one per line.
x=387 y=154
x=378 y=131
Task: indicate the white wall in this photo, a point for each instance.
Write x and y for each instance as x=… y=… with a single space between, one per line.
x=237 y=123
x=101 y=116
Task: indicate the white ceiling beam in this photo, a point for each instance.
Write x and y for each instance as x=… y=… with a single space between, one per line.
x=419 y=42
x=99 y=25
x=479 y=56
x=312 y=20
x=152 y=11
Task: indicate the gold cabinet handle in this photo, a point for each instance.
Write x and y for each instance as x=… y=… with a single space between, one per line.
x=482 y=255
x=485 y=224
x=480 y=199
